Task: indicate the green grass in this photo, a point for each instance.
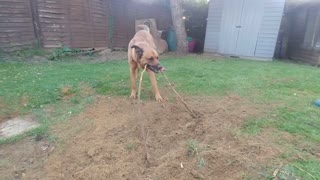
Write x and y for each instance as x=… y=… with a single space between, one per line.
x=40 y=84
x=288 y=90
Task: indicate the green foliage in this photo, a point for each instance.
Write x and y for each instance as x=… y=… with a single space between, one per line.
x=193 y=148
x=29 y=53
x=131 y=146
x=63 y=52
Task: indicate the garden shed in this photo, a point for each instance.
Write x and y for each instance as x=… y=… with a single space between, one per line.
x=303 y=31
x=244 y=28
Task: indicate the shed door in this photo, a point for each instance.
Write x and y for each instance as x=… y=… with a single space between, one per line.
x=231 y=17
x=240 y=29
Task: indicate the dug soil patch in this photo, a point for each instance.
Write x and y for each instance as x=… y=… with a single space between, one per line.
x=105 y=142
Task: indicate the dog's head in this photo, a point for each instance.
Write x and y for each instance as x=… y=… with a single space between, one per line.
x=149 y=57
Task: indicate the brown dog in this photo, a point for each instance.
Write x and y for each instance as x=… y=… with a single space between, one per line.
x=142 y=51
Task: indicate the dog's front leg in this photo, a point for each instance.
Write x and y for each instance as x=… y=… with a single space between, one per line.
x=153 y=80
x=133 y=76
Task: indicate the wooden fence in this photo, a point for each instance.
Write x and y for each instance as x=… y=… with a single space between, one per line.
x=16 y=25
x=53 y=23
x=73 y=23
x=125 y=12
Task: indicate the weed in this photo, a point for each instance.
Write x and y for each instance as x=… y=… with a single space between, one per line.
x=192 y=147
x=200 y=162
x=24 y=55
x=29 y=53
x=131 y=146
x=59 y=53
x=286 y=172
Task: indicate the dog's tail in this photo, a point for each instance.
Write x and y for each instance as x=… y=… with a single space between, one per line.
x=143 y=27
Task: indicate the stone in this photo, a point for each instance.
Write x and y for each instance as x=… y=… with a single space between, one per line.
x=16 y=126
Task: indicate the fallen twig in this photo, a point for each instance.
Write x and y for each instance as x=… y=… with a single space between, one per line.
x=276 y=171
x=185 y=104
x=301 y=157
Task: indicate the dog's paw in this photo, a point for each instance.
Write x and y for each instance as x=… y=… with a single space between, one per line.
x=133 y=96
x=159 y=98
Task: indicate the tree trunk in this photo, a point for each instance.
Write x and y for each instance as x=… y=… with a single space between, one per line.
x=179 y=26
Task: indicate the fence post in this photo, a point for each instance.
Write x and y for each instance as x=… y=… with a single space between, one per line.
x=36 y=22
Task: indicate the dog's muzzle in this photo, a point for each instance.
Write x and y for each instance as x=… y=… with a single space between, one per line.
x=155 y=68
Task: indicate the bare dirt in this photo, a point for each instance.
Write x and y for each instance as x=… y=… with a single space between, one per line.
x=105 y=142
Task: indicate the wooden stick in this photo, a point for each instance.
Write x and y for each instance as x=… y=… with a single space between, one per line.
x=301 y=157
x=185 y=104
x=144 y=135
x=276 y=171
x=139 y=90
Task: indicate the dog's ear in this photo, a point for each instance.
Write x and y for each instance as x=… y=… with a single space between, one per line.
x=139 y=51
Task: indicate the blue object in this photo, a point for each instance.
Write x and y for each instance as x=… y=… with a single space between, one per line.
x=172 y=39
x=317 y=102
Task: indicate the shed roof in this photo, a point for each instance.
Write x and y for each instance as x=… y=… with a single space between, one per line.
x=292 y=5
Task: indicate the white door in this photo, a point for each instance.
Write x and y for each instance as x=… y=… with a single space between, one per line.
x=240 y=26
x=231 y=17
x=251 y=19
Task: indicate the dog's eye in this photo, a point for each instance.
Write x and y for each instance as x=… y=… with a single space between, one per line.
x=150 y=59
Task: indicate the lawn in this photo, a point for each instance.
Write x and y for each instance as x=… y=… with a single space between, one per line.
x=287 y=90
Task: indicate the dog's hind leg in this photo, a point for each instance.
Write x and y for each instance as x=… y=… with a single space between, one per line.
x=137 y=73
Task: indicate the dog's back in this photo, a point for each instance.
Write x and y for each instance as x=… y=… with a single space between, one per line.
x=143 y=35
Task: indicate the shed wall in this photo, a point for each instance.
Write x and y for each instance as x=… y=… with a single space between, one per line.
x=268 y=34
x=212 y=39
x=265 y=36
